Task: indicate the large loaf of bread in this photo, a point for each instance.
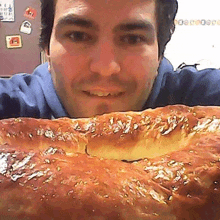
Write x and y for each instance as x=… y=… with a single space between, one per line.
x=157 y=164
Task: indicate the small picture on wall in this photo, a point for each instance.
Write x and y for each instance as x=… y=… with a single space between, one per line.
x=13 y=41
x=7 y=10
x=30 y=13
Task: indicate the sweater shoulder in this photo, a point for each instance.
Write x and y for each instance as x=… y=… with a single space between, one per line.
x=187 y=86
x=22 y=95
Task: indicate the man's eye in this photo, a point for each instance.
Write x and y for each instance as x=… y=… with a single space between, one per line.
x=133 y=39
x=78 y=36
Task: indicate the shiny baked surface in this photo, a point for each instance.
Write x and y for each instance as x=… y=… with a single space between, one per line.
x=59 y=169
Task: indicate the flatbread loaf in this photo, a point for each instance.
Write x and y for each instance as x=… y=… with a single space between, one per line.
x=161 y=163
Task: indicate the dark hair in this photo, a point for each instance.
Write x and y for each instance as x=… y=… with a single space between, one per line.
x=47 y=19
x=165 y=13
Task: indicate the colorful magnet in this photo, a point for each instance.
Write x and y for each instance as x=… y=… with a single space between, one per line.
x=214 y=22
x=26 y=27
x=30 y=13
x=13 y=41
x=198 y=22
x=186 y=22
x=180 y=22
x=192 y=22
x=208 y=22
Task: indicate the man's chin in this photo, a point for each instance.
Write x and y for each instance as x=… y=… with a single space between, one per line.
x=103 y=109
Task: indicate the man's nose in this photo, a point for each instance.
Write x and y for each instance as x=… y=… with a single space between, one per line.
x=103 y=60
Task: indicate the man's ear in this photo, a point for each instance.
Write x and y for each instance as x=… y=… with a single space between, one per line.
x=47 y=53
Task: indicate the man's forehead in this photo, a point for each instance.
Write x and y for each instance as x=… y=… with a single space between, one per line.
x=101 y=1
x=136 y=13
x=104 y=1
x=140 y=6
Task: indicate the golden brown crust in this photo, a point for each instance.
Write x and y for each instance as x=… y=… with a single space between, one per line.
x=122 y=136
x=40 y=133
x=151 y=133
x=176 y=177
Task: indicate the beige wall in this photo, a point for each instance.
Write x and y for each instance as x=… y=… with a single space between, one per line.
x=196 y=43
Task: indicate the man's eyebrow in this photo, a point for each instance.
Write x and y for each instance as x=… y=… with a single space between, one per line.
x=131 y=25
x=76 y=20
x=135 y=25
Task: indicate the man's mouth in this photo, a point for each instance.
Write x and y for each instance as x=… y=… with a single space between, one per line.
x=103 y=94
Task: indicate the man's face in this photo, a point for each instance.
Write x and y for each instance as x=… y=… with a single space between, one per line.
x=103 y=54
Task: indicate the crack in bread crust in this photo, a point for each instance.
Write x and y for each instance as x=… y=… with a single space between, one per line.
x=122 y=135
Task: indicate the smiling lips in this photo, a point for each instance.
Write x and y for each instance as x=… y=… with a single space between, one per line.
x=103 y=94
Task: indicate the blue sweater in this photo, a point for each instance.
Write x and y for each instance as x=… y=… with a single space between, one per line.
x=33 y=95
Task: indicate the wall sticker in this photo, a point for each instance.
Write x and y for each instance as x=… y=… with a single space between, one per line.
x=30 y=13
x=26 y=27
x=13 y=41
